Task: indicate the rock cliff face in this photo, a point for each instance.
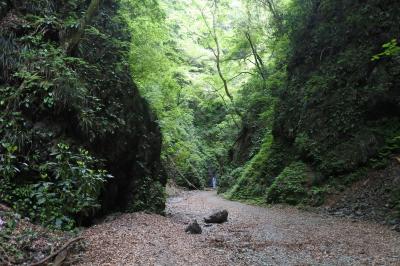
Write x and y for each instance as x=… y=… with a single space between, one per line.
x=65 y=79
x=339 y=106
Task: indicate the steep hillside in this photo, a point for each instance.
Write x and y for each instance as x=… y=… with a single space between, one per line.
x=338 y=110
x=77 y=139
x=339 y=106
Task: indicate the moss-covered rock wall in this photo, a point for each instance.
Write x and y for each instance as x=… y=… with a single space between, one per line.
x=70 y=114
x=339 y=107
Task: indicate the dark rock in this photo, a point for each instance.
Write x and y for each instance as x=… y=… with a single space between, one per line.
x=396 y=228
x=217 y=217
x=338 y=213
x=123 y=132
x=193 y=228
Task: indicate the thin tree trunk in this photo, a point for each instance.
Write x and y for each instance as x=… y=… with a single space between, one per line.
x=275 y=13
x=217 y=53
x=226 y=106
x=258 y=61
x=72 y=41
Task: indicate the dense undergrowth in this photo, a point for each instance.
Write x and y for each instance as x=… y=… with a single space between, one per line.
x=76 y=137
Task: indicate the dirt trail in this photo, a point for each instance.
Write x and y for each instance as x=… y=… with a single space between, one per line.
x=252 y=236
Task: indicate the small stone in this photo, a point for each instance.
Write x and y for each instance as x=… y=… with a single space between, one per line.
x=338 y=213
x=193 y=228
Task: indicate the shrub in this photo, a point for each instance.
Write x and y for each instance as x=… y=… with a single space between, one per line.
x=228 y=180
x=148 y=196
x=70 y=183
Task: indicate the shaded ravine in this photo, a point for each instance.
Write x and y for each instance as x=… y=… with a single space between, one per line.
x=252 y=236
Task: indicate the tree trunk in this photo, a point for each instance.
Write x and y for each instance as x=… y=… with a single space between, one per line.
x=258 y=61
x=72 y=41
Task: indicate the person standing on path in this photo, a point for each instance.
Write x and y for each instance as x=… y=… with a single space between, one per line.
x=214 y=182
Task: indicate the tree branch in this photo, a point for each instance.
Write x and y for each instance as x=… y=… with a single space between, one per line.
x=52 y=255
x=212 y=30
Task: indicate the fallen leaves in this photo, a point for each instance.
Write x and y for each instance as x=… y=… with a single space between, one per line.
x=252 y=236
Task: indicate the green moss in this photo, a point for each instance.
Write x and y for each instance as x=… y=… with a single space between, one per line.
x=292 y=185
x=258 y=201
x=259 y=173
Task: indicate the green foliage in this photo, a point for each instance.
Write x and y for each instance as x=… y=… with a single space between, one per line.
x=323 y=101
x=197 y=127
x=9 y=251
x=226 y=181
x=69 y=185
x=48 y=81
x=8 y=160
x=392 y=146
x=395 y=201
x=390 y=49
x=85 y=97
x=334 y=111
x=259 y=172
x=149 y=196
x=349 y=179
x=334 y=108
x=291 y=185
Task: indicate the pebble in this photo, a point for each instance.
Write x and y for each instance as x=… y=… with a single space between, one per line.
x=254 y=236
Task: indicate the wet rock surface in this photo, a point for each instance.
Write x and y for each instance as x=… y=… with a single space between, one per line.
x=252 y=236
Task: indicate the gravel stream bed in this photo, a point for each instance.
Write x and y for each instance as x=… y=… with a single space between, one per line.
x=252 y=236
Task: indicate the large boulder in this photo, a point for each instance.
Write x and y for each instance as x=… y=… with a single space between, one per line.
x=217 y=217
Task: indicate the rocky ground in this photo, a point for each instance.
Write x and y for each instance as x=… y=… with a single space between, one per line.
x=370 y=198
x=252 y=236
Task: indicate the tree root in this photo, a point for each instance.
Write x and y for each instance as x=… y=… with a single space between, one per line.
x=54 y=254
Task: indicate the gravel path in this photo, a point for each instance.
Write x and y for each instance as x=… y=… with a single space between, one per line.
x=252 y=236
